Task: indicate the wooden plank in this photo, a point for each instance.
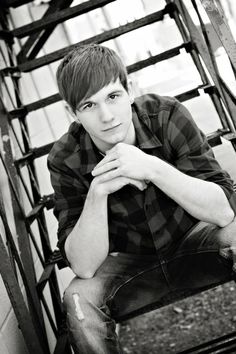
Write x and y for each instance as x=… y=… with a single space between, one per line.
x=204 y=53
x=45 y=201
x=105 y=36
x=33 y=214
x=43 y=102
x=188 y=95
x=22 y=111
x=61 y=16
x=21 y=230
x=15 y=3
x=214 y=96
x=21 y=216
x=219 y=95
x=62 y=345
x=157 y=58
x=35 y=42
x=41 y=221
x=17 y=260
x=6 y=36
x=21 y=311
x=226 y=88
x=45 y=277
x=222 y=29
x=33 y=154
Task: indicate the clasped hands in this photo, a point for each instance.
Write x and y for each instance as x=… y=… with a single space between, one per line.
x=123 y=164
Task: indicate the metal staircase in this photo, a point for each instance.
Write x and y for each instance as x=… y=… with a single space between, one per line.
x=21 y=173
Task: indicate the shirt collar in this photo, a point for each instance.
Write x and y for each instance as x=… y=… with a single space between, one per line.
x=145 y=138
x=85 y=156
x=89 y=153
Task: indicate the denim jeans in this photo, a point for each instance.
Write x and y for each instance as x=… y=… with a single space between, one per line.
x=205 y=256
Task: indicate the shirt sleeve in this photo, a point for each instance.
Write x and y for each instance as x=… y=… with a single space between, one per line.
x=192 y=153
x=69 y=195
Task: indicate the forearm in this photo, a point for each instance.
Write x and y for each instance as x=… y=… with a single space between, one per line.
x=204 y=200
x=87 y=245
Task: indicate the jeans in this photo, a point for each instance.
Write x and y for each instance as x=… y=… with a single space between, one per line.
x=124 y=283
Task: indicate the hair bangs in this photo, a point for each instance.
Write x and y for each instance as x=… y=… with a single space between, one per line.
x=92 y=81
x=86 y=70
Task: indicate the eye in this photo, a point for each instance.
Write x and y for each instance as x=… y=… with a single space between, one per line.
x=113 y=96
x=87 y=106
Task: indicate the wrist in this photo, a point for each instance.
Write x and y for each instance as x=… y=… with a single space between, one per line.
x=97 y=190
x=152 y=168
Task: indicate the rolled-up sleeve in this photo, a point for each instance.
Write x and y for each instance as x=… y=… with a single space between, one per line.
x=193 y=154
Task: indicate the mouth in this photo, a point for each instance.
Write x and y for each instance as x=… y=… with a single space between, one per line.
x=111 y=128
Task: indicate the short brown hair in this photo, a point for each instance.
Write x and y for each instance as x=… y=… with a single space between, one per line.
x=87 y=69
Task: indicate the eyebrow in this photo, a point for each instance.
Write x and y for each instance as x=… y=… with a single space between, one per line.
x=115 y=91
x=82 y=103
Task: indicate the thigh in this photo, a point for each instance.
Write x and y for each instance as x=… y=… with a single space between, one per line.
x=140 y=293
x=205 y=256
x=117 y=270
x=124 y=283
x=205 y=236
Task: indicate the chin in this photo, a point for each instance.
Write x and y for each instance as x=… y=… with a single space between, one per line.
x=117 y=139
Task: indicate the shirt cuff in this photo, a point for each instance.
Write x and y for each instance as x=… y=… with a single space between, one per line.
x=63 y=233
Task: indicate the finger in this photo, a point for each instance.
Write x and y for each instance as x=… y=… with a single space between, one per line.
x=109 y=175
x=105 y=168
x=143 y=184
x=105 y=160
x=116 y=148
x=140 y=184
x=112 y=150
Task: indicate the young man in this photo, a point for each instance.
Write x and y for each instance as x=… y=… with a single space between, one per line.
x=144 y=209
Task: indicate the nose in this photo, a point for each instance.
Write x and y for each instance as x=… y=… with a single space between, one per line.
x=106 y=114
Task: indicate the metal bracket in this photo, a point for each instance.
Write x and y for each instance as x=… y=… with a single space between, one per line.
x=7 y=36
x=12 y=71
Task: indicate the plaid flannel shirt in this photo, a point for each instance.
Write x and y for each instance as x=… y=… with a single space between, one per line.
x=139 y=222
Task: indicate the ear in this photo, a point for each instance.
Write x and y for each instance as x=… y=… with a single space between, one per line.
x=70 y=110
x=130 y=91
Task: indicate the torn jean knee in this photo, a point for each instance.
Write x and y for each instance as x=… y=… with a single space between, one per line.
x=90 y=326
x=78 y=310
x=91 y=330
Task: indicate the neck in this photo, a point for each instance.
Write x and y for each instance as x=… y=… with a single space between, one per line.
x=131 y=135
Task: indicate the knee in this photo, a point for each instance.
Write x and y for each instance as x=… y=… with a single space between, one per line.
x=82 y=292
x=226 y=235
x=77 y=286
x=76 y=301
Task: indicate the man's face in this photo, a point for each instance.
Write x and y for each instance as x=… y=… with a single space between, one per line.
x=107 y=116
